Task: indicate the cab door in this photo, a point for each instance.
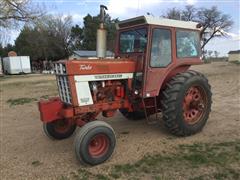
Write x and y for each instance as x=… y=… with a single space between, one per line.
x=159 y=59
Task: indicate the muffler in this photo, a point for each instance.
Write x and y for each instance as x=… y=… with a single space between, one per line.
x=102 y=34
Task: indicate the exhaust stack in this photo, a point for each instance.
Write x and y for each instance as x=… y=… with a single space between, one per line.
x=102 y=34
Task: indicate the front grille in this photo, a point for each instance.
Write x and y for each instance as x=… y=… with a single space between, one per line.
x=63 y=88
x=60 y=68
x=63 y=83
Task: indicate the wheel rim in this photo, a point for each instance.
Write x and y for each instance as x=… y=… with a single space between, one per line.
x=98 y=145
x=62 y=126
x=194 y=104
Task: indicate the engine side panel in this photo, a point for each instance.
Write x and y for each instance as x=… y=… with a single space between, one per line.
x=84 y=95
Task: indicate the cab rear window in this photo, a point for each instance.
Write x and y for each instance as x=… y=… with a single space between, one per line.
x=188 y=44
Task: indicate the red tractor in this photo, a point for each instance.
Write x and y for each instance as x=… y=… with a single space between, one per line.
x=148 y=75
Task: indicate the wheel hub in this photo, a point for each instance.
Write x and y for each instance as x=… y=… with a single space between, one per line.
x=99 y=145
x=194 y=104
x=62 y=125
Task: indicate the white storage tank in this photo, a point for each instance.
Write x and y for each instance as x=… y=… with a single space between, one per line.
x=16 y=65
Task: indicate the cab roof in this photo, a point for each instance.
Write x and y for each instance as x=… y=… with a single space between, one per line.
x=157 y=21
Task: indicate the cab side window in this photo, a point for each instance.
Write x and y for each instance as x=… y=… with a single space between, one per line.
x=161 y=51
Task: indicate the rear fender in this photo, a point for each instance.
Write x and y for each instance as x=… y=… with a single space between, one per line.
x=171 y=74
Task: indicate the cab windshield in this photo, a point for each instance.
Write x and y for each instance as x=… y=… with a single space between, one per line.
x=133 y=41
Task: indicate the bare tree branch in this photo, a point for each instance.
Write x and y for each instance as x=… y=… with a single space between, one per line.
x=15 y=11
x=214 y=21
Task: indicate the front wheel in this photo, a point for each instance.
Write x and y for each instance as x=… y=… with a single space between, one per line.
x=94 y=143
x=59 y=129
x=186 y=103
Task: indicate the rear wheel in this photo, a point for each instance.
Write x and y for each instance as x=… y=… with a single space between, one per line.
x=135 y=115
x=186 y=103
x=94 y=143
x=59 y=129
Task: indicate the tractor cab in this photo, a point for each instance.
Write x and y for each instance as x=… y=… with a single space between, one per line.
x=161 y=48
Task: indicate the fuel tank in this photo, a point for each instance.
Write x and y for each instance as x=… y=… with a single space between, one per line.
x=103 y=66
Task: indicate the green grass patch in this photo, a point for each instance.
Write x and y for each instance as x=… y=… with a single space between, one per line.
x=44 y=97
x=83 y=174
x=36 y=163
x=227 y=174
x=20 y=101
x=101 y=177
x=186 y=161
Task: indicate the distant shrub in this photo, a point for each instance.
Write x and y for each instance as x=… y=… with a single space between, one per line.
x=235 y=62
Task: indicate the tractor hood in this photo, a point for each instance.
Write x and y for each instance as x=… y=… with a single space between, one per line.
x=103 y=66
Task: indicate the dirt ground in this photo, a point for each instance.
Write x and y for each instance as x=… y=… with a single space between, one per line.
x=26 y=153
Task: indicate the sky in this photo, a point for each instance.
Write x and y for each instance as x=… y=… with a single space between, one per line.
x=124 y=9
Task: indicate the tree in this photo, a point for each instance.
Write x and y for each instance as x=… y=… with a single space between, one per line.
x=54 y=38
x=60 y=29
x=209 y=53
x=1 y=50
x=76 y=38
x=189 y=13
x=216 y=54
x=111 y=35
x=4 y=50
x=91 y=24
x=14 y=11
x=173 y=14
x=214 y=22
x=30 y=42
x=48 y=39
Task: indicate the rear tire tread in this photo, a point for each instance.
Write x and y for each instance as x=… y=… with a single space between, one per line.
x=169 y=99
